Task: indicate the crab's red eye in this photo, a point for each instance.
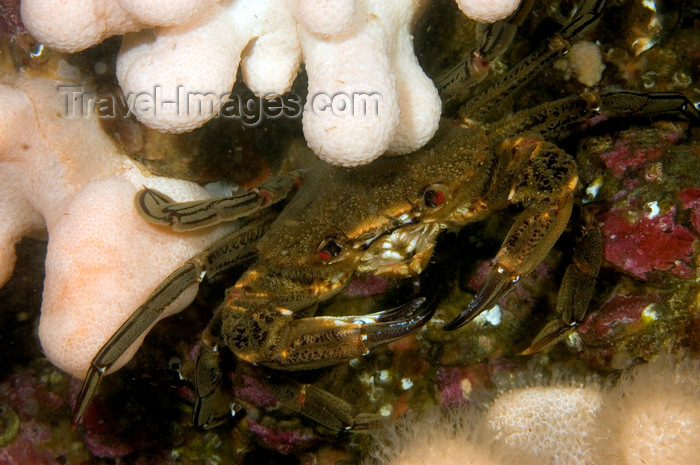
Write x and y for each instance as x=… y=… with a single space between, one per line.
x=433 y=197
x=329 y=249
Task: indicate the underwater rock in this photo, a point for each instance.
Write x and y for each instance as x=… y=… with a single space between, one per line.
x=690 y=199
x=644 y=227
x=639 y=242
x=284 y=437
x=455 y=385
x=34 y=404
x=366 y=286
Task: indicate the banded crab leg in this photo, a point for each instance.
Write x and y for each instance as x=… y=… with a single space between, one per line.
x=534 y=182
x=157 y=208
x=543 y=177
x=551 y=118
x=321 y=406
x=311 y=343
x=454 y=85
x=307 y=399
x=477 y=109
x=228 y=251
x=576 y=288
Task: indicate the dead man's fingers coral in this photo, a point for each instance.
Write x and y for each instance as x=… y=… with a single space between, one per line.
x=103 y=259
x=367 y=94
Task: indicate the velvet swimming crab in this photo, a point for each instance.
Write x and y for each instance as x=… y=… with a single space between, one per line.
x=384 y=218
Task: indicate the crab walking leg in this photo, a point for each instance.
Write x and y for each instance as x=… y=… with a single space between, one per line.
x=259 y=334
x=223 y=254
x=544 y=179
x=549 y=119
x=543 y=221
x=325 y=408
x=320 y=405
x=628 y=103
x=576 y=288
x=478 y=108
x=454 y=85
x=156 y=207
x=207 y=380
x=212 y=407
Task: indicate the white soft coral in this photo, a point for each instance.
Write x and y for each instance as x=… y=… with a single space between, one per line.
x=74 y=25
x=194 y=64
x=536 y=424
x=651 y=416
x=487 y=10
x=455 y=437
x=65 y=175
x=367 y=93
x=350 y=47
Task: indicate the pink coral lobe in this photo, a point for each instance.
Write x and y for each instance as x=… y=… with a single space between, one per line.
x=616 y=314
x=367 y=286
x=622 y=157
x=281 y=440
x=646 y=244
x=255 y=392
x=691 y=199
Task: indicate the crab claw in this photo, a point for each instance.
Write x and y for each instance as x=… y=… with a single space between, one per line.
x=395 y=323
x=315 y=342
x=498 y=283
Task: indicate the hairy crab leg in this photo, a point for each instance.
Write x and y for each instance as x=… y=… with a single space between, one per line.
x=228 y=251
x=156 y=207
x=477 y=109
x=537 y=226
x=549 y=119
x=545 y=179
x=576 y=288
x=275 y=338
x=454 y=85
x=292 y=343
